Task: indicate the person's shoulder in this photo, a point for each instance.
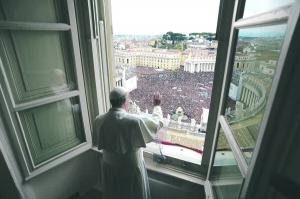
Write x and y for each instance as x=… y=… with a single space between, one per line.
x=100 y=117
x=133 y=118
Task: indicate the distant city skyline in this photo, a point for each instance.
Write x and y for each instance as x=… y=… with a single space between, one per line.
x=268 y=31
x=156 y=17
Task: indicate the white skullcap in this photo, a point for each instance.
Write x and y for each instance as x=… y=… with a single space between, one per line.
x=117 y=93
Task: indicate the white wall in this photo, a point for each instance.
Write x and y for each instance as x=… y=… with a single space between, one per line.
x=268 y=71
x=79 y=174
x=233 y=91
x=131 y=84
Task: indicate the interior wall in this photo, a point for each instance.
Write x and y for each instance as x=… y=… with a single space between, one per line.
x=75 y=176
x=292 y=165
x=292 y=170
x=8 y=188
x=164 y=186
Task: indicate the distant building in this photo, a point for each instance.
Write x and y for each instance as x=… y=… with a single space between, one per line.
x=157 y=59
x=245 y=62
x=121 y=47
x=205 y=52
x=127 y=46
x=204 y=120
x=246 y=50
x=268 y=68
x=125 y=76
x=152 y=42
x=120 y=76
x=200 y=64
x=214 y=44
x=184 y=56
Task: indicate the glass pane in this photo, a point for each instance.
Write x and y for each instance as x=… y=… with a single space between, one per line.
x=52 y=129
x=226 y=178
x=49 y=11
x=37 y=63
x=253 y=7
x=255 y=63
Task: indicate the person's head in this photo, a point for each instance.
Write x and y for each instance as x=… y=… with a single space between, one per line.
x=119 y=98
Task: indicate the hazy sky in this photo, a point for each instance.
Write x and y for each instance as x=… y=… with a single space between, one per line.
x=151 y=17
x=255 y=6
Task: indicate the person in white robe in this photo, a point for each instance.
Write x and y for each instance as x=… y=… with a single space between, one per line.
x=122 y=136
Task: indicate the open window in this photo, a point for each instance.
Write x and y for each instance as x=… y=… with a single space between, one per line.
x=185 y=79
x=253 y=68
x=56 y=70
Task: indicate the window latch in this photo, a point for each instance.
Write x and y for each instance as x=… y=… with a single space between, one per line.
x=159 y=158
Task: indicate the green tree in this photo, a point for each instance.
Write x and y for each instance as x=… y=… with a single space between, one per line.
x=174 y=37
x=170 y=35
x=154 y=45
x=202 y=34
x=165 y=37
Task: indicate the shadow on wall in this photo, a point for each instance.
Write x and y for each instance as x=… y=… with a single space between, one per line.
x=8 y=190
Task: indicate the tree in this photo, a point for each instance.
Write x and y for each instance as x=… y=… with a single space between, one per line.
x=202 y=34
x=165 y=37
x=170 y=35
x=155 y=44
x=174 y=37
x=179 y=37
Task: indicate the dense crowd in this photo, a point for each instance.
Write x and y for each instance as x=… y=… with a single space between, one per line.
x=190 y=91
x=140 y=70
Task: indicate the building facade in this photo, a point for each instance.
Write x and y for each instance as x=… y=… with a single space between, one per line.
x=245 y=63
x=159 y=60
x=200 y=64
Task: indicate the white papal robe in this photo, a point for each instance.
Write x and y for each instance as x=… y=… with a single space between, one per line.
x=121 y=136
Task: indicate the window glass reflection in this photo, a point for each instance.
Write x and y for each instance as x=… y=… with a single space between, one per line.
x=253 y=7
x=53 y=128
x=50 y=11
x=254 y=66
x=37 y=63
x=226 y=178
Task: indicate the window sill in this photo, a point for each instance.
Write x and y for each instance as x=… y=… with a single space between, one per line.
x=180 y=173
x=63 y=157
x=177 y=152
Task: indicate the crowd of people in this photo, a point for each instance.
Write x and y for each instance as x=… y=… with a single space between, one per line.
x=190 y=91
x=141 y=70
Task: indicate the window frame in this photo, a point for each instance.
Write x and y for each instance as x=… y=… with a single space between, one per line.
x=273 y=106
x=270 y=17
x=200 y=171
x=10 y=109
